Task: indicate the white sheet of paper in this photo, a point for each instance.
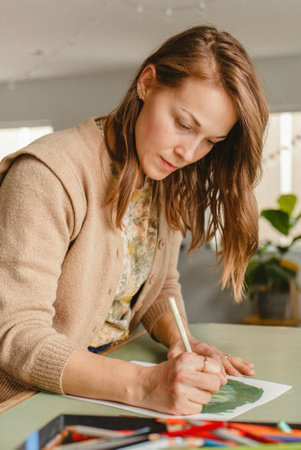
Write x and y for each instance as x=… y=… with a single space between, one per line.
x=271 y=390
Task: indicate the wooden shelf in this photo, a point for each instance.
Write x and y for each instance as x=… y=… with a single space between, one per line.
x=292 y=319
x=256 y=320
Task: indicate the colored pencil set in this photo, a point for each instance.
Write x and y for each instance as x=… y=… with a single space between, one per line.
x=233 y=434
x=180 y=433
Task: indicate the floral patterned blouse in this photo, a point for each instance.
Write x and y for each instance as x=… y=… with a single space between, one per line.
x=139 y=236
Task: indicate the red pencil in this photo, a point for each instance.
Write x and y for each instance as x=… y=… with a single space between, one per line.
x=255 y=436
x=196 y=430
x=173 y=421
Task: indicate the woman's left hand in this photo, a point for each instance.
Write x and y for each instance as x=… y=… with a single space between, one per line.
x=233 y=365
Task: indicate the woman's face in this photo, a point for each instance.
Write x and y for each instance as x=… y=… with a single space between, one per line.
x=178 y=126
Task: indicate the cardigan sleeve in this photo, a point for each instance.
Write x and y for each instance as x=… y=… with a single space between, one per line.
x=36 y=222
x=171 y=286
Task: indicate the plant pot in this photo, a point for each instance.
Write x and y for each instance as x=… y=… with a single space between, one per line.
x=272 y=304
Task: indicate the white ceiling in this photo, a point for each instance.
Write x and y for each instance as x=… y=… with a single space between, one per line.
x=55 y=38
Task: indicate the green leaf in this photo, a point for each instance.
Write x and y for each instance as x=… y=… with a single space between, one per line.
x=294 y=220
x=267 y=274
x=264 y=247
x=287 y=203
x=278 y=273
x=283 y=250
x=278 y=219
x=296 y=238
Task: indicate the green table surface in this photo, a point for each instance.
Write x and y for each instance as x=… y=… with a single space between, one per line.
x=275 y=352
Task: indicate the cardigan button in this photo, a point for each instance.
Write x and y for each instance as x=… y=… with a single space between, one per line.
x=110 y=291
x=161 y=244
x=117 y=253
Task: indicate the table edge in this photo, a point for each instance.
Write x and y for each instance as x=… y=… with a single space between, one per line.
x=25 y=395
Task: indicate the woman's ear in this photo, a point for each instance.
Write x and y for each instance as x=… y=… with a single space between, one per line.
x=146 y=81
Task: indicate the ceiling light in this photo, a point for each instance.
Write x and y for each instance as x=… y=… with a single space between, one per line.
x=167 y=7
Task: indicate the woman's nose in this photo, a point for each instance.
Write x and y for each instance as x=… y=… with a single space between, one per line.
x=187 y=151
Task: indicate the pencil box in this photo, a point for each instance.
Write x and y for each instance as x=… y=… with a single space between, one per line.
x=39 y=438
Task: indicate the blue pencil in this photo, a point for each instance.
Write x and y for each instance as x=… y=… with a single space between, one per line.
x=214 y=443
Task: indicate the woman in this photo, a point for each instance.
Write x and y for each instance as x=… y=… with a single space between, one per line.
x=92 y=220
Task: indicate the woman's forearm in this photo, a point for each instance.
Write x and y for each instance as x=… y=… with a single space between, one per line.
x=165 y=330
x=167 y=387
x=100 y=377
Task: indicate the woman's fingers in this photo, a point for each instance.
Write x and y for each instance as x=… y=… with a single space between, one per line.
x=200 y=363
x=233 y=365
x=213 y=354
x=209 y=383
x=236 y=366
x=194 y=386
x=196 y=398
x=209 y=365
x=231 y=370
x=201 y=371
x=181 y=385
x=199 y=397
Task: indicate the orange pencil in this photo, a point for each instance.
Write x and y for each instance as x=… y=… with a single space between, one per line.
x=262 y=429
x=58 y=439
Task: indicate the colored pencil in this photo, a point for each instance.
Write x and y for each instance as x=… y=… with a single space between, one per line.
x=56 y=440
x=82 y=445
x=179 y=323
x=263 y=429
x=257 y=437
x=227 y=435
x=195 y=430
x=93 y=431
x=162 y=442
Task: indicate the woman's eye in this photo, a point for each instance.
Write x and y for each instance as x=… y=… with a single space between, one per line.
x=182 y=125
x=214 y=143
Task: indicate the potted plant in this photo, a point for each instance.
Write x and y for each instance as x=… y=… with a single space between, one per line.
x=269 y=275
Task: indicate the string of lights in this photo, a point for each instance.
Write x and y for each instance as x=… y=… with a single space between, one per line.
x=277 y=152
x=45 y=57
x=167 y=7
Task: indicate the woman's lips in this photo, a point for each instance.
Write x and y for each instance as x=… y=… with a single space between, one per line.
x=170 y=167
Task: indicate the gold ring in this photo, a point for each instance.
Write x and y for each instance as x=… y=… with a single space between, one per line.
x=205 y=363
x=227 y=356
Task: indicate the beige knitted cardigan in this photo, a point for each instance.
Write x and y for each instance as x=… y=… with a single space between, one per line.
x=61 y=258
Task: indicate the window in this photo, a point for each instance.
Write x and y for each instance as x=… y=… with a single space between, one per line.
x=12 y=139
x=281 y=167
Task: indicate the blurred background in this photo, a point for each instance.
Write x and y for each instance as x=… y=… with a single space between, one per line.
x=65 y=61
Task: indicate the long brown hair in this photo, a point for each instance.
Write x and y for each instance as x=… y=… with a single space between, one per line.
x=223 y=181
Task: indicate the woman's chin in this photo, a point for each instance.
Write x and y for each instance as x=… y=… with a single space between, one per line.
x=156 y=175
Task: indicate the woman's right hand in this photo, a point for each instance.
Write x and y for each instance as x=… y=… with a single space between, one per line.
x=180 y=386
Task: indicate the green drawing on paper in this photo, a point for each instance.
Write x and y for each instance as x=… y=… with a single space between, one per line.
x=229 y=397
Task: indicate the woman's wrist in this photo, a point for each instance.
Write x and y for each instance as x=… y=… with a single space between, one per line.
x=165 y=330
x=89 y=375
